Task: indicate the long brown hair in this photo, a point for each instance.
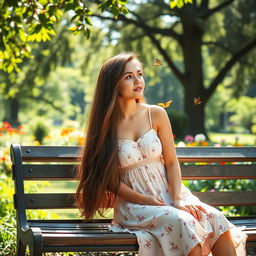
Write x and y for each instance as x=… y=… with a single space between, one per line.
x=99 y=168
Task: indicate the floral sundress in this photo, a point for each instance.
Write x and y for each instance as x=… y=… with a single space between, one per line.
x=164 y=230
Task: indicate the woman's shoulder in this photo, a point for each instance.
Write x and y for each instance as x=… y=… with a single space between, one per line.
x=154 y=108
x=158 y=113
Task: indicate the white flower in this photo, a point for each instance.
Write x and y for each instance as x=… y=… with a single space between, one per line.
x=181 y=144
x=200 y=137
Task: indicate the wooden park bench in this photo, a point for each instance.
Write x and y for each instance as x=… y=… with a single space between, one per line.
x=74 y=235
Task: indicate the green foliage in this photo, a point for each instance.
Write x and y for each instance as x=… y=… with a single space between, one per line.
x=225 y=185
x=179 y=121
x=8 y=235
x=253 y=129
x=179 y=3
x=22 y=22
x=40 y=130
x=7 y=212
x=244 y=112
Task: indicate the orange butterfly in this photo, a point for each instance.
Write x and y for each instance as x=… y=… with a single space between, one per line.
x=165 y=104
x=197 y=101
x=157 y=63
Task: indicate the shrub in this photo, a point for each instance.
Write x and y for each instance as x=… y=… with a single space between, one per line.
x=40 y=130
x=179 y=121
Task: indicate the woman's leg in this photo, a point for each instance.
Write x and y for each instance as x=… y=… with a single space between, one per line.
x=224 y=245
x=196 y=251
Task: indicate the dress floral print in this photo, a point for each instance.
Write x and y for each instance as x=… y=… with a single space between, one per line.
x=164 y=230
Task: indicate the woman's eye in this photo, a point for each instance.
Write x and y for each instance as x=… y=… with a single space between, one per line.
x=140 y=74
x=128 y=77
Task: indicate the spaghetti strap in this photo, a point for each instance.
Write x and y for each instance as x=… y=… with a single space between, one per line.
x=149 y=117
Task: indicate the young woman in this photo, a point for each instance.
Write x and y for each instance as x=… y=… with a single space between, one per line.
x=129 y=161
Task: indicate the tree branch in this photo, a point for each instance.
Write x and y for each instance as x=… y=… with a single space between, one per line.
x=51 y=103
x=162 y=31
x=210 y=12
x=148 y=31
x=142 y=25
x=218 y=44
x=170 y=63
x=234 y=59
x=226 y=49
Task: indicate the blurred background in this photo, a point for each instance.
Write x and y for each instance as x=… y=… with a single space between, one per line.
x=201 y=56
x=205 y=54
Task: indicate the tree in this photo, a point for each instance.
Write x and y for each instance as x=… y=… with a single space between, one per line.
x=17 y=87
x=22 y=22
x=244 y=112
x=23 y=25
x=223 y=30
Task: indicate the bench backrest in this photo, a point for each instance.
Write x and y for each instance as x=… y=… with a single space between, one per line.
x=58 y=163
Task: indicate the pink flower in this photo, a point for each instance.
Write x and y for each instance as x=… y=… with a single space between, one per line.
x=169 y=229
x=140 y=218
x=148 y=243
x=189 y=138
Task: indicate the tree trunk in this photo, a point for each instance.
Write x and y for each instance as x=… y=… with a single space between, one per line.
x=12 y=106
x=193 y=79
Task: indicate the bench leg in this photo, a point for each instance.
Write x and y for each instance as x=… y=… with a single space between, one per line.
x=36 y=243
x=21 y=249
x=33 y=251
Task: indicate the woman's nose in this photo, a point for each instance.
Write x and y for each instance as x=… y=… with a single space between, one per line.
x=137 y=79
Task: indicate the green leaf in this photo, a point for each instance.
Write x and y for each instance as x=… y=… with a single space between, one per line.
x=74 y=17
x=88 y=21
x=180 y=3
x=173 y=4
x=73 y=28
x=38 y=37
x=88 y=33
x=10 y=68
x=23 y=35
x=122 y=2
x=53 y=18
x=125 y=10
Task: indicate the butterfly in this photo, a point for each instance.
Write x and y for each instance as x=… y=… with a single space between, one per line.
x=157 y=63
x=197 y=101
x=165 y=104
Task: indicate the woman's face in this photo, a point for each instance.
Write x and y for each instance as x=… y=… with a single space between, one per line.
x=131 y=84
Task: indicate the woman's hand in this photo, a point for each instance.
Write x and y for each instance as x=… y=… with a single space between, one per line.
x=194 y=210
x=152 y=200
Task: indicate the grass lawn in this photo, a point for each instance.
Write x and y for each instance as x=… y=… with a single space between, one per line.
x=230 y=138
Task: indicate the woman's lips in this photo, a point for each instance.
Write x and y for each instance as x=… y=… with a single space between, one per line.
x=138 y=89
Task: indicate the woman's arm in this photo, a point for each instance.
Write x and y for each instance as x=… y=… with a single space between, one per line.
x=128 y=194
x=171 y=163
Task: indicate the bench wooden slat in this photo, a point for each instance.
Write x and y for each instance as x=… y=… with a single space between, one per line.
x=50 y=201
x=191 y=154
x=228 y=198
x=92 y=248
x=50 y=153
x=70 y=222
x=199 y=172
x=218 y=154
x=193 y=172
x=66 y=200
x=49 y=171
x=89 y=239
